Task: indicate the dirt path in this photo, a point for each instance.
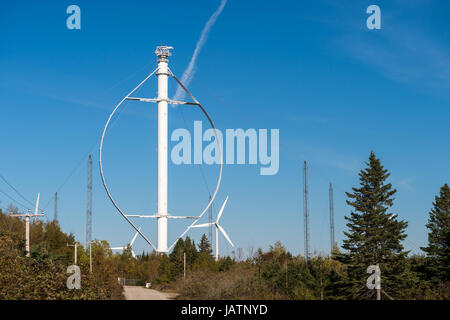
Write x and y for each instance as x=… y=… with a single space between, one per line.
x=141 y=293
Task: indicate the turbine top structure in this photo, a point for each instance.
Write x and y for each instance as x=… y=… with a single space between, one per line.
x=163 y=52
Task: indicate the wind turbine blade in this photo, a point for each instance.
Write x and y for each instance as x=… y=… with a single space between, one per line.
x=224 y=234
x=221 y=209
x=202 y=225
x=132 y=253
x=118 y=248
x=135 y=236
x=37 y=203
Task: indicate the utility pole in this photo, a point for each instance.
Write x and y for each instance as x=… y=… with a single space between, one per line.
x=378 y=267
x=184 y=265
x=27 y=224
x=89 y=203
x=75 y=255
x=90 y=256
x=56 y=208
x=305 y=209
x=27 y=234
x=331 y=217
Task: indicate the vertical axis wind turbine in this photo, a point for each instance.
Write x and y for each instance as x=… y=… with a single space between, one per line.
x=162 y=72
x=218 y=227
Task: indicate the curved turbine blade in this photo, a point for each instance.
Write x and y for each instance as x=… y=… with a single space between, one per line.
x=224 y=234
x=202 y=225
x=221 y=209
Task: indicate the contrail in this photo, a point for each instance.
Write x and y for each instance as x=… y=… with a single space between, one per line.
x=189 y=72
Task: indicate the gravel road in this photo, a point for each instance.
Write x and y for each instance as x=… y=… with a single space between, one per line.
x=142 y=293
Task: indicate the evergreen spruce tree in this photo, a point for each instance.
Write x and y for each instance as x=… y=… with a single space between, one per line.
x=205 y=245
x=191 y=252
x=438 y=256
x=374 y=236
x=205 y=260
x=338 y=288
x=177 y=258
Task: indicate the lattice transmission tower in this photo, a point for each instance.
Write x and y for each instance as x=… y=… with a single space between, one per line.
x=56 y=208
x=331 y=217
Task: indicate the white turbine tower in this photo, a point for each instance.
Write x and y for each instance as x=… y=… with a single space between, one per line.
x=131 y=245
x=218 y=227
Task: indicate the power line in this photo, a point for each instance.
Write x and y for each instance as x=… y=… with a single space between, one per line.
x=285 y=148
x=70 y=114
x=84 y=156
x=12 y=187
x=98 y=140
x=14 y=200
x=200 y=167
x=72 y=173
x=250 y=122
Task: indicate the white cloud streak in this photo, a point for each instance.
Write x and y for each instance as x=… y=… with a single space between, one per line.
x=190 y=70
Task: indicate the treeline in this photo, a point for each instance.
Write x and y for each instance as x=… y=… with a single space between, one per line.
x=373 y=237
x=43 y=274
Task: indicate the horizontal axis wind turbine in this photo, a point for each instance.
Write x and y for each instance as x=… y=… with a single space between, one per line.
x=218 y=227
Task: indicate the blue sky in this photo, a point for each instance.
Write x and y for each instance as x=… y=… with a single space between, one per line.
x=312 y=69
